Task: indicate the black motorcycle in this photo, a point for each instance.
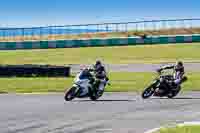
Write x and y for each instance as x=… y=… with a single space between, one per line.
x=162 y=86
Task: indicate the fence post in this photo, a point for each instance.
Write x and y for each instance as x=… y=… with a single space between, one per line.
x=4 y=35
x=117 y=26
x=40 y=28
x=136 y=27
x=163 y=24
x=126 y=27
x=23 y=39
x=144 y=25
x=50 y=36
x=97 y=28
x=107 y=28
x=154 y=26
x=183 y=23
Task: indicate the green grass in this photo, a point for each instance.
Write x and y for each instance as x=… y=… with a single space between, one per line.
x=184 y=129
x=120 y=82
x=111 y=55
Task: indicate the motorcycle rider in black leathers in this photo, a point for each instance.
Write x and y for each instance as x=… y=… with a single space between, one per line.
x=100 y=74
x=178 y=75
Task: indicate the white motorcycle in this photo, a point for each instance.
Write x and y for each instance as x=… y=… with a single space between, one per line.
x=83 y=87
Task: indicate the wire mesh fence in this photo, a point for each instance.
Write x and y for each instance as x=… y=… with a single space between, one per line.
x=154 y=27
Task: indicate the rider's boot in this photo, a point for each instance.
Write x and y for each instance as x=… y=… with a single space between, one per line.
x=100 y=89
x=174 y=86
x=90 y=91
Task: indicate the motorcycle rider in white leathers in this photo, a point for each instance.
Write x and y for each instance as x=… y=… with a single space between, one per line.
x=178 y=75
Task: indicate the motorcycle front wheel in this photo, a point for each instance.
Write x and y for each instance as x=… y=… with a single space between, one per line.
x=148 y=92
x=70 y=94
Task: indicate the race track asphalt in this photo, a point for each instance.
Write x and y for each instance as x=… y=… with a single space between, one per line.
x=113 y=113
x=189 y=67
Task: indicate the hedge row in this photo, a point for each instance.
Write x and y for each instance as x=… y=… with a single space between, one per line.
x=34 y=71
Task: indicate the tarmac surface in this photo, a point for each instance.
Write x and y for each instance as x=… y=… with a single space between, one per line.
x=113 y=113
x=189 y=67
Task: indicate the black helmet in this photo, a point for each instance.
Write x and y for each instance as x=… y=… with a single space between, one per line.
x=98 y=62
x=179 y=63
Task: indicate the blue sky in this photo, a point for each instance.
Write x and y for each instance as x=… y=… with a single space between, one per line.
x=25 y=13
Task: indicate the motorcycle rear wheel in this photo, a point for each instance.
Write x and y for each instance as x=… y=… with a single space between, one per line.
x=174 y=93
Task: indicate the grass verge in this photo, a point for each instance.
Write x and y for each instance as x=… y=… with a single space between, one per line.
x=120 y=82
x=110 y=55
x=184 y=129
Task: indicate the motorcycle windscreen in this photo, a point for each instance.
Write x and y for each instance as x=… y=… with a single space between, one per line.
x=83 y=75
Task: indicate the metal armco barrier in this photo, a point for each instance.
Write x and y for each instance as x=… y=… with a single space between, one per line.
x=99 y=42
